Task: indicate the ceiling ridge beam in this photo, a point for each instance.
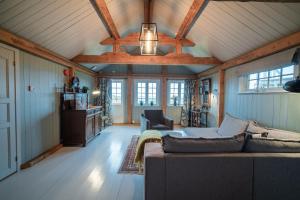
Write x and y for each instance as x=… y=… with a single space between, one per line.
x=104 y=14
x=266 y=50
x=124 y=58
x=191 y=17
x=33 y=48
x=132 y=39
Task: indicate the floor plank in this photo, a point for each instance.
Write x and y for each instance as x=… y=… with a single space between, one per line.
x=74 y=173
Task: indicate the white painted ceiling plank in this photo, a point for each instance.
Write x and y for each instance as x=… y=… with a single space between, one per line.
x=6 y=5
x=16 y=10
x=287 y=12
x=252 y=20
x=60 y=27
x=263 y=17
x=25 y=18
x=54 y=17
x=242 y=33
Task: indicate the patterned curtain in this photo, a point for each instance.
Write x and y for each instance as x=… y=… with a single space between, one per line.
x=189 y=102
x=104 y=98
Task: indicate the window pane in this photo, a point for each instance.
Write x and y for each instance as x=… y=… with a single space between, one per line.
x=263 y=75
x=252 y=84
x=263 y=83
x=287 y=78
x=288 y=70
x=275 y=72
x=274 y=82
x=116 y=92
x=253 y=76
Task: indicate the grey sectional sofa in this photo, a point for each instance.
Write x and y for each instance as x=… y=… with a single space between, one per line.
x=220 y=176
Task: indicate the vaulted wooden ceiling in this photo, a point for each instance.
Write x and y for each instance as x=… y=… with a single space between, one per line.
x=224 y=29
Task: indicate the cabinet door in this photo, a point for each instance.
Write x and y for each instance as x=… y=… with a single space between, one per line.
x=90 y=128
x=97 y=124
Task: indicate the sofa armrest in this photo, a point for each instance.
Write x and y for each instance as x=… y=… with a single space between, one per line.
x=169 y=122
x=145 y=123
x=154 y=171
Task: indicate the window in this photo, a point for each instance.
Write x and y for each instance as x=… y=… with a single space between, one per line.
x=146 y=92
x=270 y=79
x=116 y=92
x=175 y=92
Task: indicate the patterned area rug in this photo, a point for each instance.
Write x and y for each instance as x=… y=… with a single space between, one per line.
x=128 y=166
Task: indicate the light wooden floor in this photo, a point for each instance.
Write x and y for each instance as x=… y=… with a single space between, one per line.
x=75 y=173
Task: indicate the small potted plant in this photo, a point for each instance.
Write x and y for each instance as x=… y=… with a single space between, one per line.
x=141 y=103
x=85 y=89
x=151 y=103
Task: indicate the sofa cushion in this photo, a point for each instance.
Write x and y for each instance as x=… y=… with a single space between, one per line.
x=160 y=127
x=256 y=130
x=232 y=126
x=202 y=132
x=202 y=145
x=271 y=145
x=281 y=134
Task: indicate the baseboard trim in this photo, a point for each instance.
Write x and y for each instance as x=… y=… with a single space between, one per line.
x=41 y=157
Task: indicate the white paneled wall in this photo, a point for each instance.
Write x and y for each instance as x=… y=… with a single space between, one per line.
x=278 y=110
x=40 y=106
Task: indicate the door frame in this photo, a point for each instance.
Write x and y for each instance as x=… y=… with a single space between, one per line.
x=17 y=102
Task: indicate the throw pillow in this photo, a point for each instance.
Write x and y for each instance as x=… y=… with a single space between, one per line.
x=270 y=145
x=232 y=126
x=256 y=131
x=202 y=145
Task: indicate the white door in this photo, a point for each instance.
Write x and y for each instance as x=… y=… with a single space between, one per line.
x=8 y=164
x=117 y=104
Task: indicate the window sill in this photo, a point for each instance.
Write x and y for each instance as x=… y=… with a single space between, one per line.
x=267 y=91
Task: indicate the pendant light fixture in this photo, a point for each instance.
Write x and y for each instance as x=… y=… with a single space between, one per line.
x=148 y=39
x=294 y=86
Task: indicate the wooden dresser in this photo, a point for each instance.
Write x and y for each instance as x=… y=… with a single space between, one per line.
x=80 y=126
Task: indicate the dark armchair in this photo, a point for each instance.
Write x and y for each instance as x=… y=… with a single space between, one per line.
x=155 y=120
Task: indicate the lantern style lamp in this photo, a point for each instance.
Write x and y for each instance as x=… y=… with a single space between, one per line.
x=148 y=39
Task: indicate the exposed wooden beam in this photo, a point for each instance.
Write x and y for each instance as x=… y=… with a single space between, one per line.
x=148 y=76
x=194 y=12
x=148 y=9
x=221 y=89
x=124 y=58
x=164 y=79
x=266 y=50
x=129 y=94
x=132 y=39
x=31 y=47
x=103 y=13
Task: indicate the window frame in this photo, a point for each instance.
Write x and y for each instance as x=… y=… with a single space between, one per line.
x=147 y=102
x=180 y=100
x=258 y=89
x=121 y=94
